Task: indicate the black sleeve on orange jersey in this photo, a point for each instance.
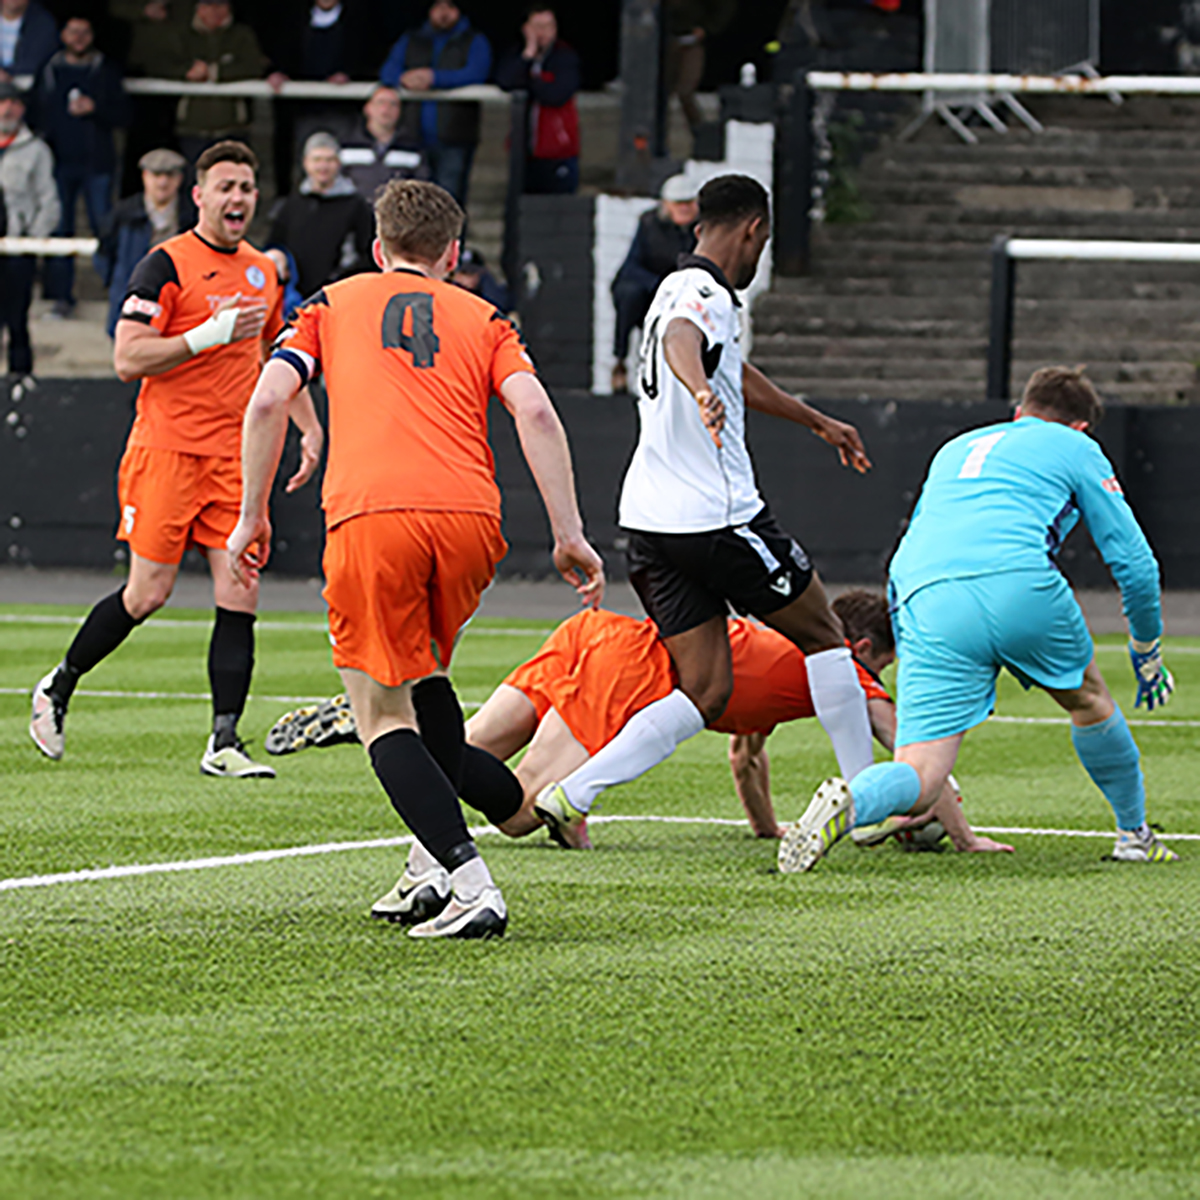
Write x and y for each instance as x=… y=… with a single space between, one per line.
x=499 y=316
x=149 y=278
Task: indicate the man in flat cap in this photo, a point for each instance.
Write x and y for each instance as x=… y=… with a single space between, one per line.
x=140 y=222
x=663 y=234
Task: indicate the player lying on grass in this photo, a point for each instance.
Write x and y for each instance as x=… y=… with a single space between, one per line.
x=598 y=669
x=974 y=588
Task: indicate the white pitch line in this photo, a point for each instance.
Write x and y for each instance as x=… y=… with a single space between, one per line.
x=261 y=856
x=1137 y=722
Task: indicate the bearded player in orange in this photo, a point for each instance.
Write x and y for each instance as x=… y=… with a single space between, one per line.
x=413 y=517
x=198 y=317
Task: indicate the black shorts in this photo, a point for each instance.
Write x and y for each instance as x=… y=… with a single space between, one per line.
x=685 y=579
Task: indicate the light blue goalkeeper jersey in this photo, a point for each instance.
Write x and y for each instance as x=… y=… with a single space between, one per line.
x=1004 y=498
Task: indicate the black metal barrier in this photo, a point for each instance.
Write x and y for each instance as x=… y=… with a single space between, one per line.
x=59 y=448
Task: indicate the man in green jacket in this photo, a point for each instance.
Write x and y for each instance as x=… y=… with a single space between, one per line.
x=213 y=48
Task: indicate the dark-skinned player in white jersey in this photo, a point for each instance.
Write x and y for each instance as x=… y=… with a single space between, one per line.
x=701 y=538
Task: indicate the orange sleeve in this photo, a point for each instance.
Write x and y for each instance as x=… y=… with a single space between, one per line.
x=874 y=689
x=508 y=351
x=300 y=344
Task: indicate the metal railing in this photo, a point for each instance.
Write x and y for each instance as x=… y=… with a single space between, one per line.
x=796 y=164
x=1007 y=252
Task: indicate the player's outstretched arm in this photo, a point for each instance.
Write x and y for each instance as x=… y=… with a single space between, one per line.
x=752 y=779
x=312 y=438
x=141 y=350
x=544 y=444
x=263 y=431
x=763 y=396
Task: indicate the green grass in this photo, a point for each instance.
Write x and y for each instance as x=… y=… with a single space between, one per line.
x=667 y=1017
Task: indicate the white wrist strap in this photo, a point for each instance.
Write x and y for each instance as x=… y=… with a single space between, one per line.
x=216 y=331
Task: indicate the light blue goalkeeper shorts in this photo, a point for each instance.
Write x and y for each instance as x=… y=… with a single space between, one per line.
x=952 y=638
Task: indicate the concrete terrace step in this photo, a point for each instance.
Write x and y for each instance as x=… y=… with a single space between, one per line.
x=1178 y=374
x=791 y=352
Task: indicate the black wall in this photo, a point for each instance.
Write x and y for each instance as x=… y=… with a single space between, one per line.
x=556 y=286
x=60 y=445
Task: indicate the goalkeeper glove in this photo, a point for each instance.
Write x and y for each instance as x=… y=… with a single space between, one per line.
x=1154 y=682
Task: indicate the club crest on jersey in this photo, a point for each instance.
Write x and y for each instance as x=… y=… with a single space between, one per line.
x=255 y=277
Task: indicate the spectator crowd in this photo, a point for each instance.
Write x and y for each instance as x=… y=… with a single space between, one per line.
x=63 y=100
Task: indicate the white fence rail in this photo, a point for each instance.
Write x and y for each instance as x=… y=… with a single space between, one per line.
x=49 y=247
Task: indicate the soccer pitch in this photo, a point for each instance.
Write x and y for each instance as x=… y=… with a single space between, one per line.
x=667 y=1017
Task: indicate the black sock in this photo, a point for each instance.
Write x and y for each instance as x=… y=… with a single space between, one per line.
x=421 y=794
x=106 y=627
x=489 y=786
x=440 y=720
x=230 y=665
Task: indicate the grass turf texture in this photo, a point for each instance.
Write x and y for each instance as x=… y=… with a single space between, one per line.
x=667 y=1017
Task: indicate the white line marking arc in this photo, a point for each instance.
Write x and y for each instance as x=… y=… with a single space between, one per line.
x=129 y=870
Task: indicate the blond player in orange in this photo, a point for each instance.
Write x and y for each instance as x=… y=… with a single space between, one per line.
x=198 y=317
x=413 y=517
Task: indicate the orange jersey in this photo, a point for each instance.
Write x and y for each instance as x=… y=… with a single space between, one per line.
x=599 y=668
x=410 y=364
x=197 y=407
x=770 y=681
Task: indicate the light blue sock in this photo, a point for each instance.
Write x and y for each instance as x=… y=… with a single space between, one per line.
x=1110 y=756
x=884 y=789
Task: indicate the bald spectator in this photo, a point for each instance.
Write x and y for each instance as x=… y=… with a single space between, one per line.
x=376 y=150
x=212 y=48
x=80 y=103
x=326 y=226
x=28 y=208
x=28 y=36
x=663 y=234
x=140 y=222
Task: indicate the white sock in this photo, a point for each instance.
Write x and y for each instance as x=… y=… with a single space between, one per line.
x=649 y=737
x=420 y=860
x=841 y=706
x=470 y=879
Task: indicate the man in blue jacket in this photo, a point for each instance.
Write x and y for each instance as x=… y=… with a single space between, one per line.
x=446 y=52
x=974 y=588
x=28 y=36
x=80 y=102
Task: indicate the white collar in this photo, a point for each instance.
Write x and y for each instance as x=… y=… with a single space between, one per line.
x=322 y=18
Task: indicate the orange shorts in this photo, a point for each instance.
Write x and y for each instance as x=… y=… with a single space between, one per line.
x=596 y=670
x=400 y=583
x=170 y=501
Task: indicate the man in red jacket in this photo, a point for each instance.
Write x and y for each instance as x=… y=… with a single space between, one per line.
x=548 y=69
